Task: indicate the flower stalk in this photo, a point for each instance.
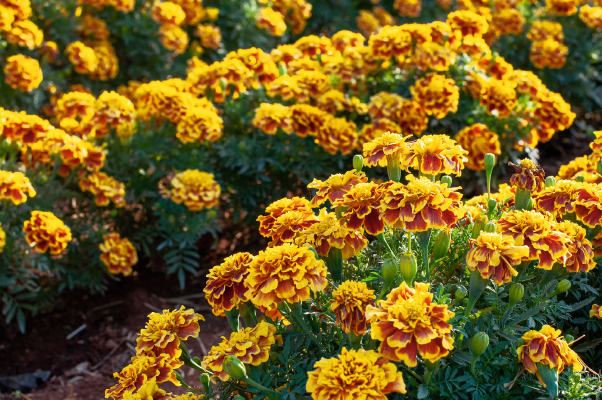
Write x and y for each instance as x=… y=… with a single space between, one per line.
x=477 y=286
x=233 y=319
x=424 y=239
x=393 y=168
x=548 y=276
x=334 y=263
x=295 y=310
x=247 y=312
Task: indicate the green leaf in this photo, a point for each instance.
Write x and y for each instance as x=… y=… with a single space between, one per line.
x=423 y=391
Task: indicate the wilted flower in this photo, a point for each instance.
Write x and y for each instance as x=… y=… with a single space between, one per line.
x=105 y=188
x=494 y=257
x=225 y=287
x=407 y=322
x=335 y=186
x=361 y=374
x=45 y=231
x=434 y=154
x=362 y=202
x=478 y=140
x=119 y=255
x=349 y=302
x=436 y=94
x=196 y=189
x=22 y=72
x=15 y=186
x=528 y=176
x=249 y=345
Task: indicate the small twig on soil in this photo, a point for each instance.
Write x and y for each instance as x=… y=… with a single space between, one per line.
x=75 y=332
x=108 y=356
x=202 y=345
x=26 y=397
x=156 y=309
x=115 y=303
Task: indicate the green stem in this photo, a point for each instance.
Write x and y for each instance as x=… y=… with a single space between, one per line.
x=424 y=239
x=355 y=340
x=381 y=238
x=548 y=276
x=409 y=241
x=233 y=319
x=247 y=312
x=477 y=286
x=393 y=169
x=181 y=380
x=430 y=368
x=296 y=314
x=382 y=293
x=521 y=270
x=253 y=383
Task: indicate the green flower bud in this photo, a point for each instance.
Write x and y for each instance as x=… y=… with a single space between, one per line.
x=393 y=169
x=550 y=181
x=569 y=338
x=460 y=293
x=489 y=161
x=389 y=272
x=446 y=179
x=529 y=206
x=517 y=291
x=491 y=204
x=580 y=179
x=479 y=225
x=223 y=83
x=358 y=162
x=234 y=367
x=408 y=267
x=204 y=378
x=562 y=286
x=490 y=227
x=480 y=342
x=282 y=70
x=442 y=243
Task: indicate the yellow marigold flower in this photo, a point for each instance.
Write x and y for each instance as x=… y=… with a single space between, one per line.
x=312 y=84
x=237 y=75
x=199 y=124
x=163 y=332
x=375 y=130
x=337 y=134
x=433 y=56
x=421 y=33
x=25 y=34
x=270 y=117
x=474 y=46
x=168 y=13
x=478 y=140
x=75 y=106
x=559 y=198
x=45 y=231
x=596 y=145
x=436 y=94
x=307 y=120
x=581 y=255
x=225 y=287
x=580 y=166
x=279 y=208
x=367 y=23
x=391 y=40
x=304 y=64
x=411 y=117
x=528 y=176
x=434 y=154
x=196 y=189
x=591 y=16
x=468 y=23
x=388 y=146
x=211 y=13
x=105 y=188
x=74 y=152
x=287 y=225
x=285 y=274
x=496 y=67
x=562 y=7
x=474 y=84
x=21 y=9
x=188 y=396
x=408 y=322
x=271 y=20
x=494 y=257
x=547 y=347
x=595 y=312
x=588 y=206
x=548 y=53
x=499 y=98
x=529 y=83
x=173 y=38
x=7 y=17
x=362 y=202
x=408 y=8
x=508 y=22
x=284 y=86
x=129 y=90
x=332 y=101
x=343 y=39
x=15 y=186
x=542 y=30
x=384 y=105
x=119 y=255
x=286 y=53
x=383 y=16
x=349 y=302
x=193 y=9
x=313 y=45
x=95 y=27
x=210 y=35
x=335 y=186
x=249 y=345
x=297 y=13
x=82 y=57
x=536 y=231
x=108 y=64
x=143 y=369
x=22 y=73
x=361 y=374
x=147 y=391
x=329 y=232
x=504 y=197
x=111 y=110
x=49 y=49
x=553 y=114
x=2 y=239
x=25 y=128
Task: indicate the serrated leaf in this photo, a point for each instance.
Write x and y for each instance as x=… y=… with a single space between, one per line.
x=423 y=391
x=576 y=306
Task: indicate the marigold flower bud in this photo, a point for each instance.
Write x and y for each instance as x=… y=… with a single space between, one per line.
x=389 y=272
x=442 y=243
x=479 y=225
x=580 y=179
x=204 y=378
x=460 y=294
x=480 y=342
x=549 y=376
x=562 y=286
x=491 y=204
x=358 y=162
x=408 y=267
x=447 y=179
x=489 y=161
x=490 y=227
x=517 y=292
x=550 y=181
x=234 y=367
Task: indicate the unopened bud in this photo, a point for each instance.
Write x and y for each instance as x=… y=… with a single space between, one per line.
x=480 y=342
x=529 y=206
x=562 y=286
x=446 y=179
x=358 y=162
x=517 y=291
x=489 y=161
x=442 y=243
x=282 y=70
x=408 y=267
x=204 y=378
x=223 y=83
x=580 y=179
x=460 y=294
x=479 y=225
x=389 y=272
x=491 y=204
x=568 y=338
x=490 y=227
x=549 y=377
x=550 y=181
x=234 y=367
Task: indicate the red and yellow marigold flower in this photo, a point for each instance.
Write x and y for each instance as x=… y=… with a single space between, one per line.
x=595 y=312
x=111 y=111
x=388 y=147
x=467 y=23
x=434 y=154
x=581 y=166
x=349 y=302
x=118 y=255
x=411 y=117
x=279 y=208
x=173 y=38
x=82 y=57
x=45 y=231
x=581 y=255
x=478 y=140
x=494 y=257
x=108 y=63
x=591 y=16
x=588 y=207
x=344 y=39
x=163 y=332
x=547 y=347
x=436 y=94
x=25 y=34
x=558 y=199
x=536 y=231
x=390 y=41
x=384 y=105
x=362 y=202
x=596 y=146
x=545 y=29
x=529 y=83
x=407 y=322
x=167 y=13
x=335 y=186
x=143 y=369
x=270 y=117
x=148 y=391
x=367 y=23
x=329 y=232
x=22 y=73
x=74 y=106
x=105 y=188
x=508 y=22
x=307 y=120
x=408 y=8
x=421 y=205
x=199 y=124
x=433 y=56
x=354 y=374
x=225 y=287
x=95 y=27
x=336 y=135
x=196 y=189
x=284 y=274
x=271 y=20
x=528 y=176
x=249 y=345
x=553 y=114
x=24 y=128
x=548 y=53
x=499 y=97
x=562 y=7
x=288 y=225
x=210 y=35
x=15 y=186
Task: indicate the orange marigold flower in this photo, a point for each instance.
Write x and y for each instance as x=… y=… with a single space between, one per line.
x=271 y=20
x=408 y=8
x=434 y=154
x=508 y=22
x=367 y=23
x=22 y=127
x=375 y=130
x=313 y=83
x=434 y=56
x=163 y=332
x=22 y=73
x=581 y=166
x=494 y=257
x=595 y=312
x=528 y=176
x=45 y=231
x=148 y=391
x=49 y=49
x=478 y=140
x=545 y=29
x=335 y=186
x=167 y=13
x=336 y=135
x=25 y=34
x=105 y=188
x=581 y=255
x=75 y=152
x=363 y=202
x=474 y=84
x=307 y=120
x=193 y=9
x=591 y=16
x=408 y=322
x=225 y=287
x=329 y=232
x=15 y=186
x=119 y=255
x=249 y=345
x=199 y=124
x=474 y=46
x=173 y=38
x=529 y=83
x=588 y=206
x=75 y=106
x=468 y=23
x=108 y=64
x=270 y=117
x=496 y=67
x=536 y=231
x=286 y=226
x=499 y=98
x=386 y=148
x=552 y=114
x=343 y=39
x=411 y=117
x=111 y=110
x=286 y=87
x=285 y=274
x=279 y=208
x=349 y=302
x=21 y=9
x=596 y=145
x=548 y=53
x=196 y=189
x=211 y=36
x=384 y=105
x=421 y=33
x=436 y=94
x=286 y=53
x=562 y=7
x=390 y=41
x=7 y=17
x=82 y=57
x=95 y=27
x=559 y=198
x=547 y=347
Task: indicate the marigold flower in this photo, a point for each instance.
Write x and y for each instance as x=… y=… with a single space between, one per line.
x=297 y=12
x=286 y=53
x=2 y=239
x=143 y=369
x=547 y=347
x=591 y=16
x=434 y=154
x=271 y=20
x=249 y=345
x=367 y=23
x=559 y=198
x=284 y=273
x=279 y=208
x=75 y=152
x=199 y=124
x=434 y=56
x=363 y=202
x=287 y=225
x=474 y=46
x=494 y=257
x=408 y=8
x=407 y=322
x=548 y=53
x=595 y=312
x=581 y=255
x=173 y=38
x=270 y=117
x=168 y=13
x=15 y=186
x=337 y=134
x=553 y=114
x=111 y=110
x=335 y=186
x=196 y=189
x=210 y=35
x=528 y=176
x=536 y=231
x=596 y=145
x=75 y=106
x=588 y=207
x=562 y=7
x=529 y=83
x=499 y=98
x=105 y=188
x=307 y=120
x=412 y=118
x=22 y=73
x=545 y=29
x=49 y=49
x=163 y=332
x=108 y=64
x=380 y=150
x=474 y=84
x=468 y=23
x=384 y=105
x=335 y=100
x=45 y=231
x=361 y=374
x=508 y=22
x=421 y=33
x=95 y=27
x=22 y=127
x=82 y=57
x=25 y=34
x=436 y=94
x=478 y=140
x=225 y=287
x=349 y=304
x=7 y=17
x=391 y=40
x=343 y=39
x=119 y=255
x=148 y=391
x=193 y=9
x=580 y=166
x=375 y=130
x=21 y=9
